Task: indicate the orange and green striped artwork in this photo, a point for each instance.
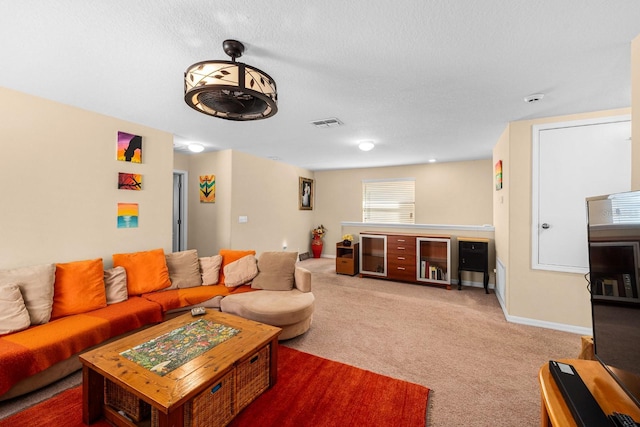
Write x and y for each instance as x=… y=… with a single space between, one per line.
x=207 y=188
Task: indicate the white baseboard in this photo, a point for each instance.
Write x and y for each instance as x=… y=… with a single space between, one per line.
x=580 y=330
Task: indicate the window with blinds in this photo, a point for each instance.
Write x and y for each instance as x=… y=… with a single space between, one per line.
x=390 y=201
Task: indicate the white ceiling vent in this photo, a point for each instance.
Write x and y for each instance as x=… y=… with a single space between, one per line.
x=327 y=123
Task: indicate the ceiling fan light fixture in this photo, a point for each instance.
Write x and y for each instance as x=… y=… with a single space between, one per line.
x=230 y=90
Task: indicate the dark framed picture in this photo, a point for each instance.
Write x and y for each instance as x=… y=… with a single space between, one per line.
x=305 y=193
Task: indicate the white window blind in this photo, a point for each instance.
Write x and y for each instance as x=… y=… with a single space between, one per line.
x=624 y=208
x=389 y=201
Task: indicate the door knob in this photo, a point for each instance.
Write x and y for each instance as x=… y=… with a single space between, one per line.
x=545 y=225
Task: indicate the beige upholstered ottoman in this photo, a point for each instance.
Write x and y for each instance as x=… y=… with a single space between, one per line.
x=284 y=298
x=290 y=310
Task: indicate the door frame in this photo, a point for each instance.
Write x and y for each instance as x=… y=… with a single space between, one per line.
x=535 y=180
x=182 y=206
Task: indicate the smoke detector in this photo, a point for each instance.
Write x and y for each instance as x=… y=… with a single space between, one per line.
x=533 y=98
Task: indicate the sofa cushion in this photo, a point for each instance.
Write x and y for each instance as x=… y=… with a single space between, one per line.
x=146 y=271
x=36 y=349
x=240 y=271
x=179 y=298
x=184 y=269
x=13 y=313
x=275 y=308
x=115 y=284
x=229 y=256
x=276 y=271
x=36 y=287
x=210 y=269
x=78 y=288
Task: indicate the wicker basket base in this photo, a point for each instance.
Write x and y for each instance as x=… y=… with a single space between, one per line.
x=125 y=401
x=252 y=377
x=214 y=407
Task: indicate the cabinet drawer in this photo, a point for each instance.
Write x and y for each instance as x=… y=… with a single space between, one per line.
x=473 y=247
x=345 y=266
x=471 y=261
x=401 y=240
x=401 y=243
x=401 y=249
x=402 y=259
x=401 y=272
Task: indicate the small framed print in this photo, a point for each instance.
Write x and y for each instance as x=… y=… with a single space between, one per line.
x=305 y=193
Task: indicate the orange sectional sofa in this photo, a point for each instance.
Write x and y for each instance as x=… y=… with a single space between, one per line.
x=62 y=310
x=49 y=314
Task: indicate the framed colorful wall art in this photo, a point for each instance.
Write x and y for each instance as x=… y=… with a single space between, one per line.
x=207 y=188
x=129 y=147
x=129 y=181
x=127 y=215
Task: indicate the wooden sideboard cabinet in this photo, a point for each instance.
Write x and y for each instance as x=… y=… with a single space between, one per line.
x=347 y=259
x=406 y=257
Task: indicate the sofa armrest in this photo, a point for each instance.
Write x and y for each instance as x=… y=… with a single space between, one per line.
x=302 y=279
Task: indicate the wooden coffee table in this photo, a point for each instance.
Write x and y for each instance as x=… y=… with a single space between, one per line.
x=170 y=394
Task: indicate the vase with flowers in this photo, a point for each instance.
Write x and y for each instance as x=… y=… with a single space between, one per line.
x=317 y=243
x=347 y=239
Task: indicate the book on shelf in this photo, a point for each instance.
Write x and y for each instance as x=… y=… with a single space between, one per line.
x=436 y=273
x=424 y=267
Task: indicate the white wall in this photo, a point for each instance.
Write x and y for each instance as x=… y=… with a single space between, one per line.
x=539 y=296
x=263 y=190
x=59 y=177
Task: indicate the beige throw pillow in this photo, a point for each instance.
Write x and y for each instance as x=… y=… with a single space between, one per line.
x=184 y=269
x=13 y=313
x=36 y=287
x=210 y=269
x=276 y=271
x=115 y=283
x=240 y=272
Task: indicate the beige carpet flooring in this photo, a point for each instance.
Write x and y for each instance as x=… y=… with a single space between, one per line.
x=481 y=369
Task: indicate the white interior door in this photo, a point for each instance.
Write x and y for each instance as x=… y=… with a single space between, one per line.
x=573 y=161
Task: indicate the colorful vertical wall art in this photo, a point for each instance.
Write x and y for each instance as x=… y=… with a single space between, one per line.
x=129 y=147
x=207 y=188
x=127 y=215
x=499 y=175
x=129 y=181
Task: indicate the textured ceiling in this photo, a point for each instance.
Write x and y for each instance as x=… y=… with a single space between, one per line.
x=421 y=78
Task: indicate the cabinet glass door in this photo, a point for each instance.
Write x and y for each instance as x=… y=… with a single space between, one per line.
x=373 y=254
x=434 y=260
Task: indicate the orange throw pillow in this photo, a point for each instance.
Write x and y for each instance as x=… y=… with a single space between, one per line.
x=147 y=271
x=229 y=256
x=78 y=288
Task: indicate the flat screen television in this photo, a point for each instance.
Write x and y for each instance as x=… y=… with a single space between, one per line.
x=614 y=251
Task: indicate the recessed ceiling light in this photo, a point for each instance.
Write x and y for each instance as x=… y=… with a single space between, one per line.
x=366 y=145
x=432 y=160
x=196 y=148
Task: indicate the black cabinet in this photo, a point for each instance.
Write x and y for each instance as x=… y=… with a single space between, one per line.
x=473 y=255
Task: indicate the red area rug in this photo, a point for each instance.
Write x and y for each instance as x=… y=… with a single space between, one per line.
x=311 y=391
